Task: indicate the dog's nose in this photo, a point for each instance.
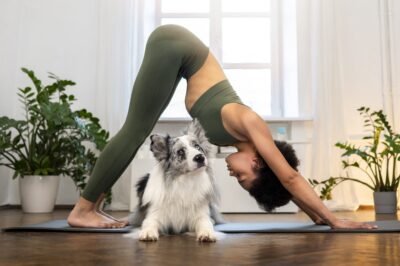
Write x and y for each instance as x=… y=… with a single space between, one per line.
x=199 y=158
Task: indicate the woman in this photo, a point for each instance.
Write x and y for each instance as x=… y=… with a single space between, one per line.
x=173 y=52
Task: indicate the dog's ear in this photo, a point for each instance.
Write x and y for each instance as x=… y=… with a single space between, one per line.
x=159 y=146
x=195 y=129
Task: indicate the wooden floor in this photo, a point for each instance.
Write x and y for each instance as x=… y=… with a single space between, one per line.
x=61 y=248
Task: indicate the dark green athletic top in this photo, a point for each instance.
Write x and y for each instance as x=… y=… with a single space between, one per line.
x=207 y=109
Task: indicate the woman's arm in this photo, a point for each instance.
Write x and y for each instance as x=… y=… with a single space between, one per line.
x=313 y=216
x=258 y=133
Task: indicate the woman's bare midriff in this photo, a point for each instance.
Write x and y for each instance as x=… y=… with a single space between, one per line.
x=208 y=75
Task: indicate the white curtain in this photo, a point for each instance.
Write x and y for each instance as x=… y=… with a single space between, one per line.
x=123 y=29
x=116 y=20
x=389 y=17
x=9 y=39
x=319 y=69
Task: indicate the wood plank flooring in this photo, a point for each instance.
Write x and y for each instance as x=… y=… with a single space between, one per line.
x=60 y=248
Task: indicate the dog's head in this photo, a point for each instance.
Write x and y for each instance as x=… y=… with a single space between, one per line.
x=183 y=154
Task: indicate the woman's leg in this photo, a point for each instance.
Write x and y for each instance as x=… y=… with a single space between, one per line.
x=171 y=52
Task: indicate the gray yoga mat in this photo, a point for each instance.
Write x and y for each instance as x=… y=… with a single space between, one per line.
x=303 y=227
x=62 y=226
x=267 y=227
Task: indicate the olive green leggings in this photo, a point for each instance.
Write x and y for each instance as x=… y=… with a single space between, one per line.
x=171 y=52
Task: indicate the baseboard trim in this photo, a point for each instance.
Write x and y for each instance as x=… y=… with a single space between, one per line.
x=366 y=207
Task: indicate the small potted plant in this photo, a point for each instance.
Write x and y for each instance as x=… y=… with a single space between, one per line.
x=325 y=189
x=377 y=160
x=49 y=142
x=327 y=186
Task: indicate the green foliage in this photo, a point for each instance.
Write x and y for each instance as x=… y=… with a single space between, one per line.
x=327 y=186
x=50 y=140
x=379 y=152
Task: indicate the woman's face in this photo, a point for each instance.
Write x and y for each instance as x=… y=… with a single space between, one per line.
x=241 y=165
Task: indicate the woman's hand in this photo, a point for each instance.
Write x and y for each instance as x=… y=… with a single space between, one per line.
x=319 y=221
x=344 y=223
x=313 y=216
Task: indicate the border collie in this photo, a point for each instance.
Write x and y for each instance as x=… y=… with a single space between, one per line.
x=179 y=194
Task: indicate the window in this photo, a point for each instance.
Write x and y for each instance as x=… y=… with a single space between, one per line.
x=254 y=41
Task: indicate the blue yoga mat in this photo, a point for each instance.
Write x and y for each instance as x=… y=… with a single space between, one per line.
x=389 y=226
x=303 y=227
x=62 y=226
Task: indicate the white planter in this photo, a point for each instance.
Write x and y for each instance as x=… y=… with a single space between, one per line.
x=38 y=194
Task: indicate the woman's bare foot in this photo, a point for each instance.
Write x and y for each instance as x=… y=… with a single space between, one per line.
x=99 y=207
x=84 y=215
x=110 y=217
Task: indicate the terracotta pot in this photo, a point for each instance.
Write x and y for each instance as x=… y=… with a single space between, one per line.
x=38 y=194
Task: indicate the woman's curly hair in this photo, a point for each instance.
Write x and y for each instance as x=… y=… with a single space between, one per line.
x=266 y=188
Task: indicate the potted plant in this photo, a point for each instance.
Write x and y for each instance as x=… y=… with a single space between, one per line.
x=325 y=189
x=379 y=158
x=49 y=142
x=327 y=186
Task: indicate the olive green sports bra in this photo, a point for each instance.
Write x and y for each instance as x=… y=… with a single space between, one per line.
x=207 y=109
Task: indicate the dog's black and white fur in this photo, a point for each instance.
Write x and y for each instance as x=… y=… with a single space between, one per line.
x=179 y=194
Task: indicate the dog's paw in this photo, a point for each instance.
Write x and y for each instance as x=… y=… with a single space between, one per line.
x=206 y=236
x=148 y=234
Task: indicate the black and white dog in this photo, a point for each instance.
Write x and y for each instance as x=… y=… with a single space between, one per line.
x=179 y=194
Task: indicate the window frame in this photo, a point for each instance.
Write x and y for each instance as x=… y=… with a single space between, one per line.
x=215 y=16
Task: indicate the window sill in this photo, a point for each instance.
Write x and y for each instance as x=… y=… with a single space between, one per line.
x=266 y=119
x=294 y=130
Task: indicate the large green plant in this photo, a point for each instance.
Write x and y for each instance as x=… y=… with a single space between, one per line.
x=51 y=139
x=380 y=154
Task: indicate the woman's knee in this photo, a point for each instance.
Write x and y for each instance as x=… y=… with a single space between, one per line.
x=162 y=46
x=170 y=37
x=168 y=32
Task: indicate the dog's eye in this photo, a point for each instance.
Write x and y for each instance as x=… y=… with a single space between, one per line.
x=181 y=152
x=197 y=146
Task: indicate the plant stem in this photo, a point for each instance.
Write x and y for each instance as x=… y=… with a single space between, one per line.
x=23 y=140
x=359 y=181
x=29 y=144
x=394 y=173
x=378 y=173
x=4 y=154
x=387 y=170
x=370 y=177
x=8 y=165
x=375 y=175
x=33 y=140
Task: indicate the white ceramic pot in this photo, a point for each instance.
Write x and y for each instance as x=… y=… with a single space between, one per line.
x=385 y=202
x=38 y=194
